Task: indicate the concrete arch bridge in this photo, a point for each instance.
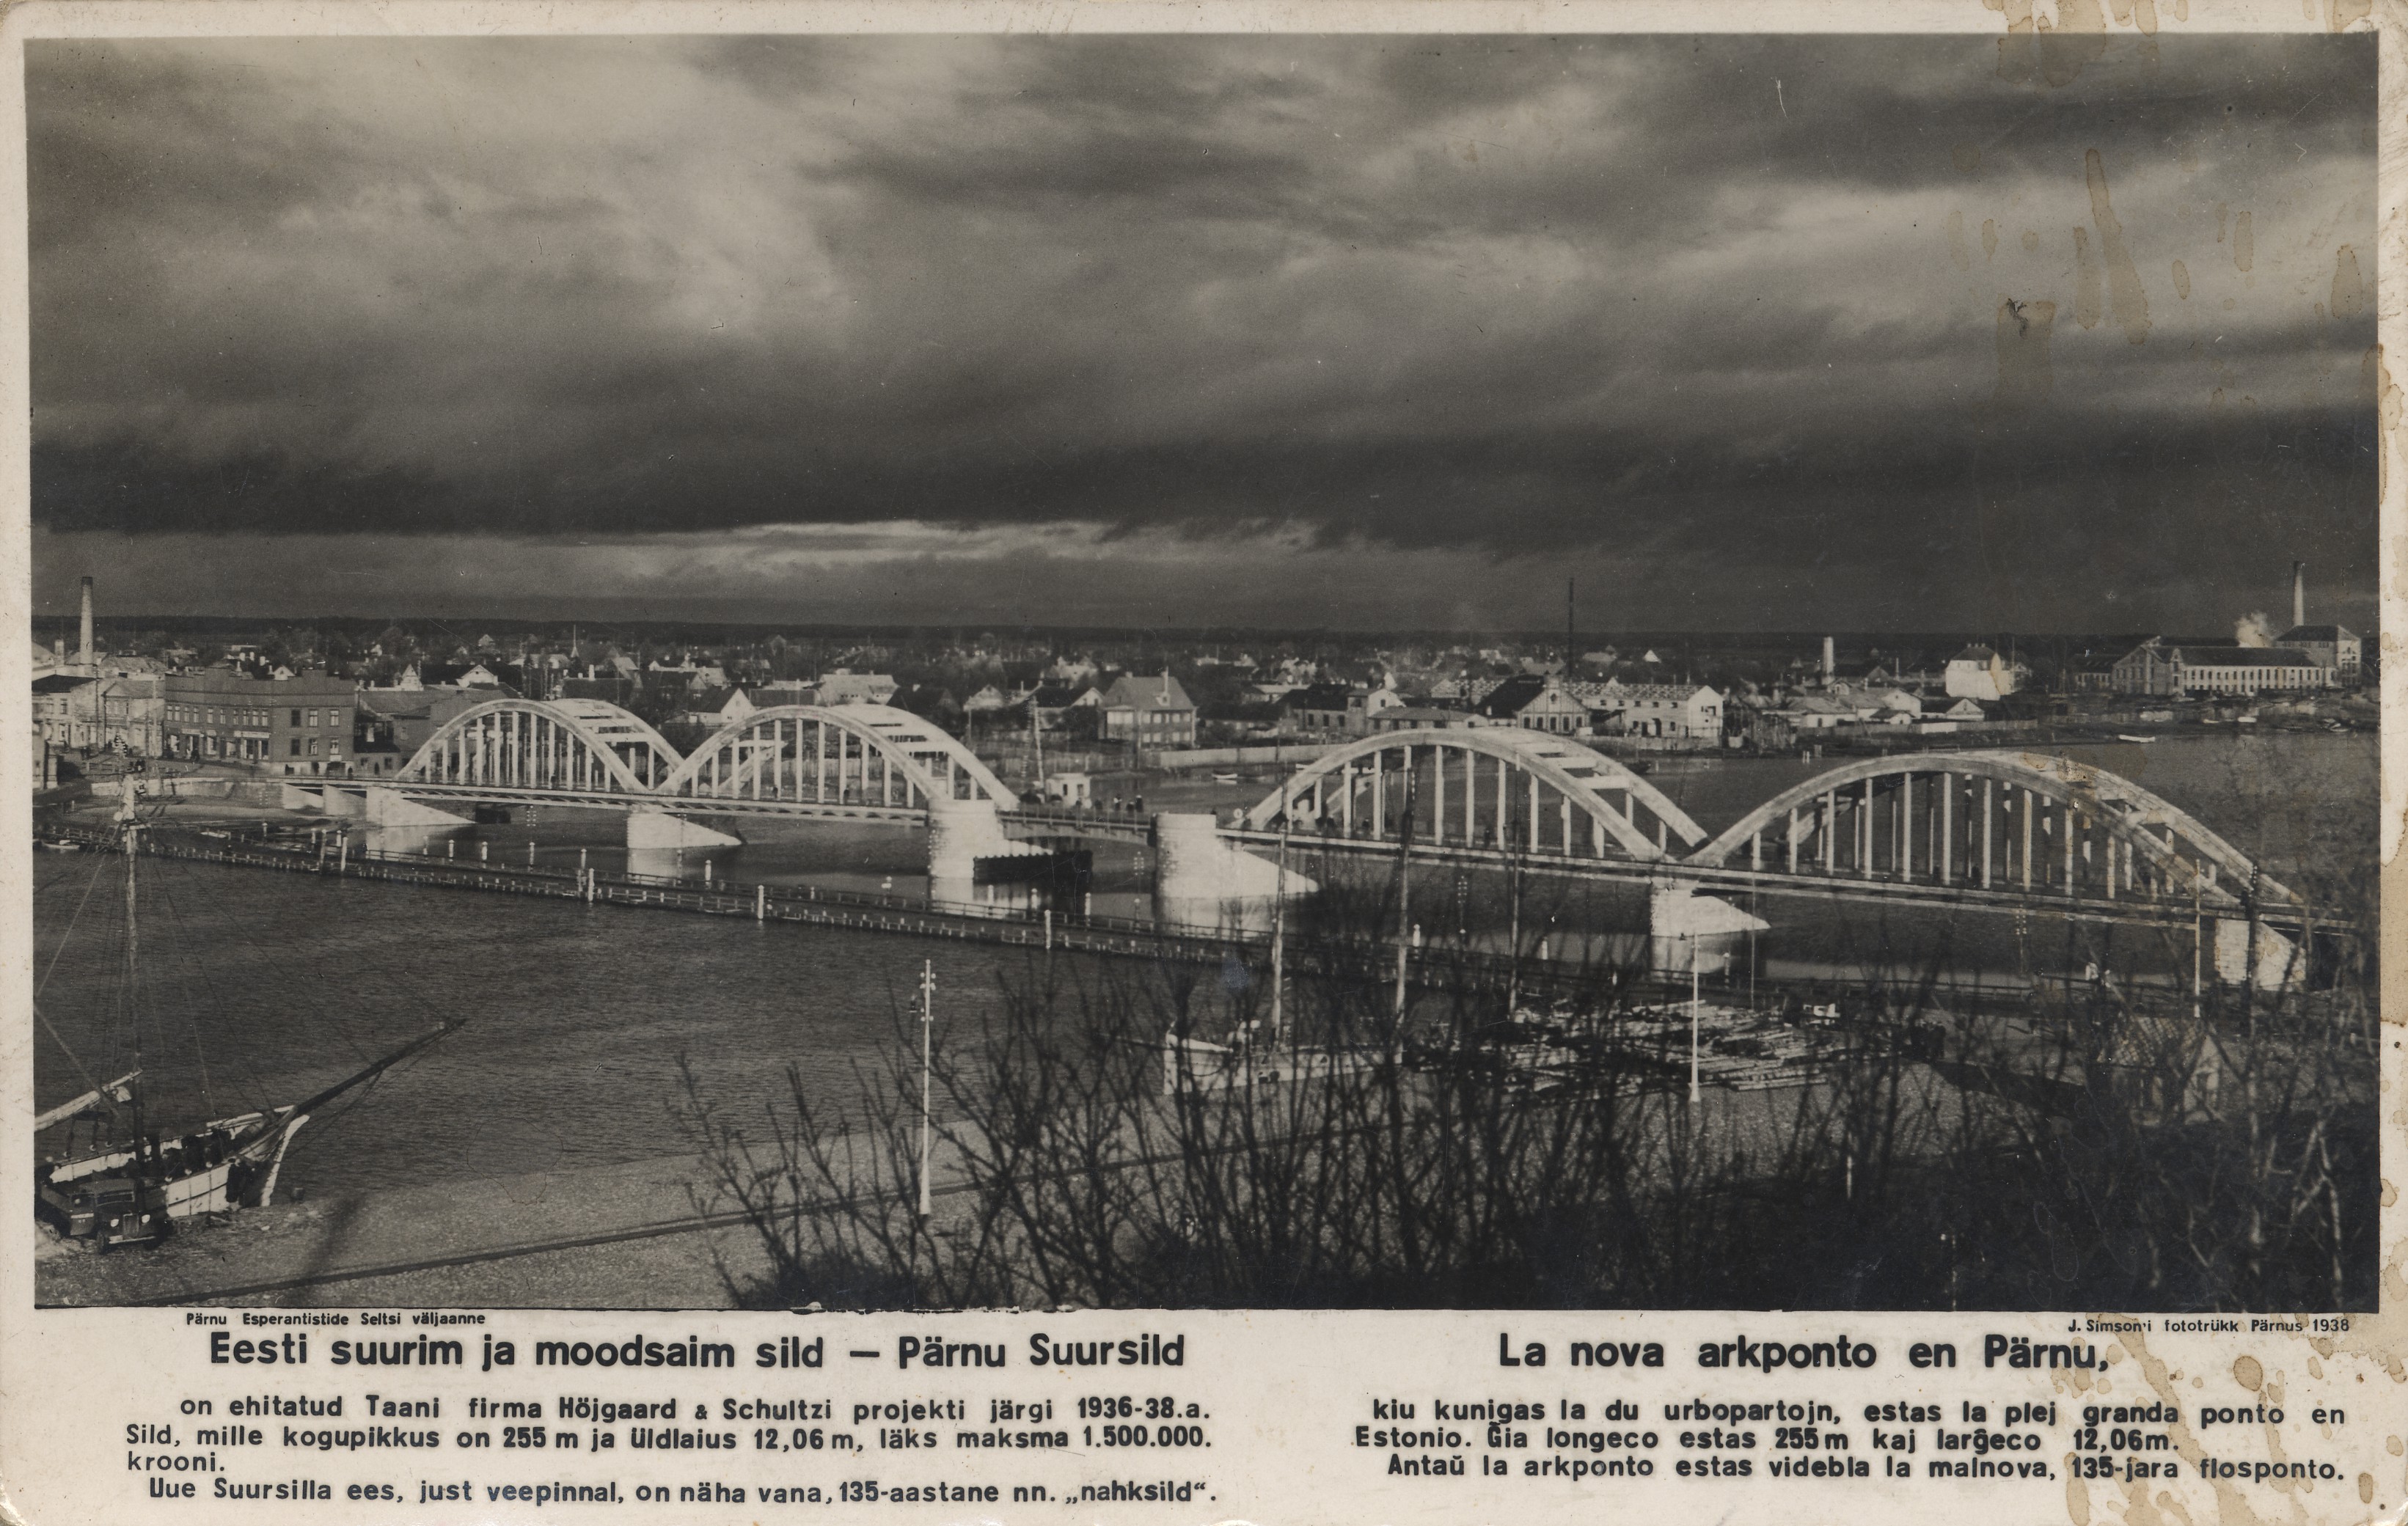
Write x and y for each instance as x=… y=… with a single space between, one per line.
x=1997 y=828
x=2003 y=830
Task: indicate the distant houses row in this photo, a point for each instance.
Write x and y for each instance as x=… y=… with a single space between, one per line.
x=315 y=725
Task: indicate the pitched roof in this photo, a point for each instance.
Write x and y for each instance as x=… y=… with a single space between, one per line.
x=1508 y=699
x=1675 y=693
x=1319 y=696
x=1155 y=691
x=2315 y=632
x=2246 y=656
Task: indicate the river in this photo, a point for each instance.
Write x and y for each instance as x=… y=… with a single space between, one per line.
x=257 y=987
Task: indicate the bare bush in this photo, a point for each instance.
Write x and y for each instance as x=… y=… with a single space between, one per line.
x=2079 y=1143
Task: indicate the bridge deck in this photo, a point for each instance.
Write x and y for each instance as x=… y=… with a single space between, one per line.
x=1877 y=889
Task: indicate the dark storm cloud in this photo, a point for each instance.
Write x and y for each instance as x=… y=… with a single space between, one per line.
x=1724 y=297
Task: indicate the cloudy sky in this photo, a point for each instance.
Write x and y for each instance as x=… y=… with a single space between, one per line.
x=1744 y=333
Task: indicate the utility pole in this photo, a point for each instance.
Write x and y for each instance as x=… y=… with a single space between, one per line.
x=1404 y=907
x=1278 y=940
x=928 y=1027
x=1695 y=1113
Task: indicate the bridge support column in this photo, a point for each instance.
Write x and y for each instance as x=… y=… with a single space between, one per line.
x=2277 y=963
x=1985 y=833
x=389 y=808
x=1947 y=828
x=1865 y=849
x=1683 y=926
x=1203 y=879
x=961 y=832
x=655 y=829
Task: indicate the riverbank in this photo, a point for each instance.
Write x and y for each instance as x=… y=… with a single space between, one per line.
x=648 y=1234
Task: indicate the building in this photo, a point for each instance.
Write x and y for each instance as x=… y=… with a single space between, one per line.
x=1554 y=708
x=845 y=687
x=1364 y=708
x=1073 y=790
x=1317 y=708
x=1757 y=722
x=2092 y=670
x=393 y=724
x=2160 y=667
x=1501 y=703
x=55 y=708
x=2329 y=645
x=1150 y=711
x=291 y=726
x=1414 y=717
x=1823 y=712
x=1663 y=710
x=86 y=714
x=492 y=676
x=1979 y=673
x=711 y=709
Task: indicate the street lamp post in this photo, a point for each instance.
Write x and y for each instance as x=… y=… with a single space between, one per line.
x=1693 y=1029
x=927 y=1026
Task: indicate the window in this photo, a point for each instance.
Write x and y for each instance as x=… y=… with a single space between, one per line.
x=297 y=718
x=296 y=747
x=313 y=747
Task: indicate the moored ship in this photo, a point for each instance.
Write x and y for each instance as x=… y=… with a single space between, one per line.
x=110 y=1179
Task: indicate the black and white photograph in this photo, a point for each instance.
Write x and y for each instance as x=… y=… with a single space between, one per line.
x=923 y=671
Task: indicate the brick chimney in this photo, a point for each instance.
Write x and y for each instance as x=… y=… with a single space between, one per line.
x=84 y=651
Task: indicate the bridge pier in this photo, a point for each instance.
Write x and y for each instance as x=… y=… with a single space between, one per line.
x=2278 y=963
x=1202 y=880
x=961 y=832
x=1687 y=930
x=657 y=830
x=389 y=808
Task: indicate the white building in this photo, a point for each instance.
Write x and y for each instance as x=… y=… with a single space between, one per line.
x=1979 y=673
x=1664 y=710
x=845 y=687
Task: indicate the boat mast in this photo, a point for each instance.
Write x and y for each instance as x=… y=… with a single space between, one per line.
x=375 y=1068
x=133 y=827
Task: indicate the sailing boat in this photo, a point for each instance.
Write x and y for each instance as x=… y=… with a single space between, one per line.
x=138 y=1186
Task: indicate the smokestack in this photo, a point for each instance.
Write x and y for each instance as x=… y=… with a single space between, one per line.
x=84 y=652
x=2298 y=593
x=1828 y=665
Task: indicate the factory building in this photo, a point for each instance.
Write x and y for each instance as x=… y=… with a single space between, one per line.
x=2165 y=669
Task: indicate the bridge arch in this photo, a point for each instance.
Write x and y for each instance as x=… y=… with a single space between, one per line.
x=871 y=754
x=1993 y=819
x=559 y=744
x=1440 y=772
